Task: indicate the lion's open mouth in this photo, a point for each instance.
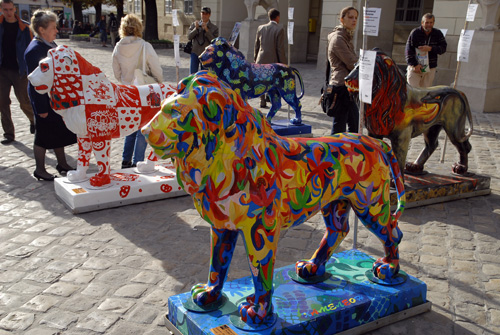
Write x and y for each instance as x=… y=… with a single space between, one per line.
x=41 y=87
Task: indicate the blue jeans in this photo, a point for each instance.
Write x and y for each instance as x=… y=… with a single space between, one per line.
x=104 y=36
x=195 y=64
x=135 y=143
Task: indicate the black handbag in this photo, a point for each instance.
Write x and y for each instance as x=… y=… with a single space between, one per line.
x=188 y=48
x=333 y=98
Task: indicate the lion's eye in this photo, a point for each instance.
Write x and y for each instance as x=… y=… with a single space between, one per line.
x=44 y=67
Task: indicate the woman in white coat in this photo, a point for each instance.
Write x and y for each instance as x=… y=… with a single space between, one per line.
x=127 y=56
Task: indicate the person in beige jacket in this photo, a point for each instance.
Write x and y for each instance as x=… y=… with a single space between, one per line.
x=270 y=44
x=201 y=33
x=342 y=60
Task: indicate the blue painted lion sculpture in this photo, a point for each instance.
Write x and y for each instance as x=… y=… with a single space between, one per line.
x=251 y=80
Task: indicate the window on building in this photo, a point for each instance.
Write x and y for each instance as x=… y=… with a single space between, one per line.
x=188 y=6
x=137 y=6
x=168 y=6
x=409 y=11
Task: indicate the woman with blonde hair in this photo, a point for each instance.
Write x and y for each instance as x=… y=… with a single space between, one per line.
x=50 y=129
x=342 y=59
x=127 y=56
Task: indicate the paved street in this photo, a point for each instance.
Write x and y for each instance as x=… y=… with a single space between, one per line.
x=112 y=271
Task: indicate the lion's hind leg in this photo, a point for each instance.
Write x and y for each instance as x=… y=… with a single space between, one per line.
x=291 y=98
x=336 y=216
x=223 y=242
x=385 y=227
x=275 y=103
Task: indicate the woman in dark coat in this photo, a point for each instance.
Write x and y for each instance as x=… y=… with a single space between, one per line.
x=51 y=132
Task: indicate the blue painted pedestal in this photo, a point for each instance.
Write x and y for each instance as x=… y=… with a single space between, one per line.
x=284 y=128
x=346 y=300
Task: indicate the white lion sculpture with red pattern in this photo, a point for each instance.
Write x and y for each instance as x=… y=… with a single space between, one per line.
x=94 y=108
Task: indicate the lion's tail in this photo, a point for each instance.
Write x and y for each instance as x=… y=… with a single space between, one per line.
x=294 y=70
x=398 y=182
x=466 y=105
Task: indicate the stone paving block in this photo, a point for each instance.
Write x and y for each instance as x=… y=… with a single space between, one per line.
x=11 y=301
x=61 y=266
x=25 y=288
x=42 y=241
x=98 y=321
x=60 y=231
x=30 y=264
x=41 y=227
x=96 y=289
x=17 y=321
x=41 y=331
x=11 y=276
x=117 y=277
x=95 y=263
x=157 y=298
x=22 y=252
x=41 y=303
x=54 y=252
x=143 y=314
x=62 y=289
x=79 y=303
x=79 y=276
x=59 y=319
x=131 y=291
x=128 y=328
x=147 y=277
x=22 y=238
x=7 y=264
x=41 y=276
x=70 y=240
x=114 y=305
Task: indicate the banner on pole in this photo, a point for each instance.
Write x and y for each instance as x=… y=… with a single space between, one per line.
x=471 y=12
x=290 y=13
x=464 y=45
x=175 y=21
x=371 y=21
x=366 y=69
x=290 y=32
x=177 y=56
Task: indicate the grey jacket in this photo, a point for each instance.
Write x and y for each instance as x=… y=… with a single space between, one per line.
x=270 y=44
x=201 y=38
x=340 y=54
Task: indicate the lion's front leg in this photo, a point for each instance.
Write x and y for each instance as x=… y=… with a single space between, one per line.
x=223 y=242
x=275 y=104
x=148 y=165
x=336 y=216
x=84 y=150
x=261 y=245
x=101 y=149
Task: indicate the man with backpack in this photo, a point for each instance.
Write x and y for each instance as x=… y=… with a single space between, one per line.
x=113 y=28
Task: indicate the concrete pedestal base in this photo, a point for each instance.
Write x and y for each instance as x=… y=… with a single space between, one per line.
x=479 y=78
x=284 y=128
x=127 y=187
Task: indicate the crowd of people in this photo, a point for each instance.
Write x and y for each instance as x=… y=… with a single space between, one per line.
x=28 y=43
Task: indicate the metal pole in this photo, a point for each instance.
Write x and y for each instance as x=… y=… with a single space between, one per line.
x=361 y=126
x=443 y=152
x=175 y=33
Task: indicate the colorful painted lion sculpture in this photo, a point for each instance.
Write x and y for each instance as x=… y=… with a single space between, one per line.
x=401 y=112
x=246 y=179
x=94 y=108
x=251 y=80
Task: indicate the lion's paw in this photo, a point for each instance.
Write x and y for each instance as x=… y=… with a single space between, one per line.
x=203 y=295
x=414 y=168
x=100 y=180
x=308 y=269
x=254 y=314
x=76 y=176
x=385 y=269
x=459 y=168
x=146 y=167
x=296 y=121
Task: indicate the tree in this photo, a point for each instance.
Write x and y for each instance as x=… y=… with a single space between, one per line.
x=151 y=31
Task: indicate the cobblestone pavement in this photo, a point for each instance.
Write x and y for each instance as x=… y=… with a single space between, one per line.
x=112 y=271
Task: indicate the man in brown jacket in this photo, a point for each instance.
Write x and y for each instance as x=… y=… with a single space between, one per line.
x=270 y=44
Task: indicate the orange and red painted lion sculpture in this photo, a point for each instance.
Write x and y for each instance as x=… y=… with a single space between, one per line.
x=94 y=108
x=401 y=112
x=246 y=179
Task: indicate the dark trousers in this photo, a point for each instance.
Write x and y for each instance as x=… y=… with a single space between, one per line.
x=9 y=78
x=348 y=116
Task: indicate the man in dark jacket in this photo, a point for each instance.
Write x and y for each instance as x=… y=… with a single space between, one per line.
x=422 y=49
x=15 y=36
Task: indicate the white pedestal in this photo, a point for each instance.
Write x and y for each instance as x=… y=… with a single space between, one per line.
x=479 y=78
x=127 y=187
